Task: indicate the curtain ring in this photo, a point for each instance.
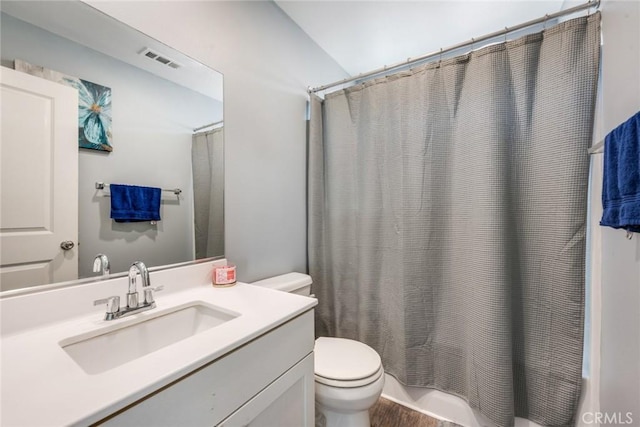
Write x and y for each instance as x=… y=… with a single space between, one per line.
x=546 y=16
x=440 y=61
x=506 y=32
x=473 y=41
x=629 y=235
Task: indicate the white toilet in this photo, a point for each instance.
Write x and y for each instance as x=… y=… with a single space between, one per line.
x=349 y=374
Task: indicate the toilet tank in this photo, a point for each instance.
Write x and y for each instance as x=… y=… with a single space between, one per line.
x=296 y=283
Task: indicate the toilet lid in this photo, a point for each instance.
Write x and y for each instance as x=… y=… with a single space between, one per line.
x=344 y=360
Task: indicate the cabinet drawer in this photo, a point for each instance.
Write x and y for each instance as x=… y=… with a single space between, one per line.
x=210 y=394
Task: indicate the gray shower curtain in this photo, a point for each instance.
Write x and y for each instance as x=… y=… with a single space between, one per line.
x=447 y=209
x=207 y=164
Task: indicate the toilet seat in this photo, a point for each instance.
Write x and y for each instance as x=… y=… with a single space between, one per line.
x=345 y=363
x=349 y=383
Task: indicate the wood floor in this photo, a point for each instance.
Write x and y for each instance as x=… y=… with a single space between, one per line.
x=386 y=413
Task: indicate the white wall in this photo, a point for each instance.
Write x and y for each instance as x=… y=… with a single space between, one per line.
x=152 y=127
x=620 y=351
x=267 y=62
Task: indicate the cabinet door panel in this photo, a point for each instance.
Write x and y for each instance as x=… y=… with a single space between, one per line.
x=288 y=402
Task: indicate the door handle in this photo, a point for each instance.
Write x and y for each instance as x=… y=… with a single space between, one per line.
x=67 y=244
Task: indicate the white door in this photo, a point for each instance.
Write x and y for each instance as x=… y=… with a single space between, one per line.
x=38 y=181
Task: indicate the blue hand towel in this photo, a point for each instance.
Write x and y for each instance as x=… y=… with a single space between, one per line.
x=130 y=203
x=621 y=185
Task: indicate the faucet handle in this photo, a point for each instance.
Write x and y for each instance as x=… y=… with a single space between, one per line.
x=148 y=293
x=113 y=304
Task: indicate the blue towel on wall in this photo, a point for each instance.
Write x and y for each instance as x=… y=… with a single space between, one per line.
x=621 y=185
x=130 y=203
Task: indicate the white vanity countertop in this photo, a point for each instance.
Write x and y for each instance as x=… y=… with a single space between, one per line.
x=43 y=386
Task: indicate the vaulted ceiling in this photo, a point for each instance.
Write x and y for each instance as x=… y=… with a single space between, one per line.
x=365 y=35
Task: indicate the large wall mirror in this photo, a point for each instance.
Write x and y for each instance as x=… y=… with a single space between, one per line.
x=165 y=129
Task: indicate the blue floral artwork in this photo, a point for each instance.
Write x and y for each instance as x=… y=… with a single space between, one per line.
x=94 y=114
x=94 y=105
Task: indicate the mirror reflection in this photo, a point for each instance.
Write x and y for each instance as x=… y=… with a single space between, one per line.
x=152 y=117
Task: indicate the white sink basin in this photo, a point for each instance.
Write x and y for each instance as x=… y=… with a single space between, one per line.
x=127 y=340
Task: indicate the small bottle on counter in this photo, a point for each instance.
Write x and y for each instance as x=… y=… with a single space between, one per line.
x=224 y=276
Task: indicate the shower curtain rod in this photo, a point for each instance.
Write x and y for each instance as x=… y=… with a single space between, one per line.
x=208 y=126
x=507 y=30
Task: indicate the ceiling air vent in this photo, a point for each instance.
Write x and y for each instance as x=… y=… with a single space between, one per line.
x=158 y=57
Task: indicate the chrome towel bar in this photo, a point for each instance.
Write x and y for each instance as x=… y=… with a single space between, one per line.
x=176 y=191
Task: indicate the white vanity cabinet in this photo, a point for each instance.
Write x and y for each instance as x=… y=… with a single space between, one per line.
x=253 y=368
x=267 y=382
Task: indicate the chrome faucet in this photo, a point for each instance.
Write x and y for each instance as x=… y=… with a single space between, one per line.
x=113 y=303
x=101 y=263
x=132 y=295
